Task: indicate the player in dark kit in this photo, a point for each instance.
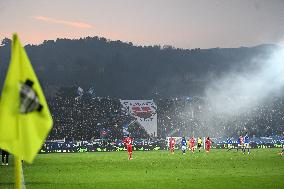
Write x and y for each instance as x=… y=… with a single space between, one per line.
x=199 y=143
x=183 y=145
x=5 y=157
x=229 y=144
x=246 y=144
x=128 y=142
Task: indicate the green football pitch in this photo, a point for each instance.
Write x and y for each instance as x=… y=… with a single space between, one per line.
x=263 y=168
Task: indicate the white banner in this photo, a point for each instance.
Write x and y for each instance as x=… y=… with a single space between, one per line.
x=145 y=113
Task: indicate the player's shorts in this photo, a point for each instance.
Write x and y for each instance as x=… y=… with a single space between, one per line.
x=246 y=145
x=183 y=147
x=129 y=148
x=199 y=145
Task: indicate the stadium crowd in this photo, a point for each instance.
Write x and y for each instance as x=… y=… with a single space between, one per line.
x=195 y=117
x=88 y=118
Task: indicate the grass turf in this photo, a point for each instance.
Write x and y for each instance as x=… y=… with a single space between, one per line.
x=153 y=169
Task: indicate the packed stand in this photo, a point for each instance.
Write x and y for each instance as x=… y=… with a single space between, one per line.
x=87 y=118
x=195 y=117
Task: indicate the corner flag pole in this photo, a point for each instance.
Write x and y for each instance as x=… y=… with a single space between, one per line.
x=18 y=175
x=17 y=160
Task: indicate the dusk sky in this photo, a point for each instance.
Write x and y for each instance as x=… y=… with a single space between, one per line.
x=180 y=23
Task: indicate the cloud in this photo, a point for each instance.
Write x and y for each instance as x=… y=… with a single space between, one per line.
x=81 y=25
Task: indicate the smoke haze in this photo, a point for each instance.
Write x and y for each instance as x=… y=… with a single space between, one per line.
x=238 y=92
x=235 y=94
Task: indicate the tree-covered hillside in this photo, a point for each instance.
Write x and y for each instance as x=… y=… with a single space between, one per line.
x=122 y=70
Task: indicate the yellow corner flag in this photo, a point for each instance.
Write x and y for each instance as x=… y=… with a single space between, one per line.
x=25 y=120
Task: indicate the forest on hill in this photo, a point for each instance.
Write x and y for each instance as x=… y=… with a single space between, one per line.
x=122 y=70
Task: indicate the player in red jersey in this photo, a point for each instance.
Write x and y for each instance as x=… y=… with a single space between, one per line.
x=191 y=144
x=128 y=142
x=207 y=144
x=172 y=143
x=240 y=143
